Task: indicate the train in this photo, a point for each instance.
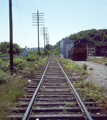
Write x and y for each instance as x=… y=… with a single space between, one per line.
x=75 y=50
x=78 y=50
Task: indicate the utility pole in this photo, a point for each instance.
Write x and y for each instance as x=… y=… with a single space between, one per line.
x=11 y=36
x=44 y=33
x=44 y=37
x=39 y=17
x=38 y=30
x=47 y=41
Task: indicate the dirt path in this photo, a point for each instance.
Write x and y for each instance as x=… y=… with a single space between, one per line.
x=98 y=75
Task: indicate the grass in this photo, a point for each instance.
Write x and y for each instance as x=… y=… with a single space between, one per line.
x=12 y=88
x=4 y=77
x=70 y=105
x=86 y=90
x=100 y=61
x=9 y=93
x=71 y=67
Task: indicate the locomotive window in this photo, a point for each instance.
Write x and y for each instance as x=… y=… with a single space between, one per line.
x=80 y=44
x=83 y=44
x=76 y=44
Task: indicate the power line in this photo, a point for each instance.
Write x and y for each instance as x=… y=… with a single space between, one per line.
x=21 y=21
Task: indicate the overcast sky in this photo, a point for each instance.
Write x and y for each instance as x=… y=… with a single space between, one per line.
x=61 y=17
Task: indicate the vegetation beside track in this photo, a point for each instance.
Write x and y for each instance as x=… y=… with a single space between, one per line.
x=12 y=86
x=99 y=60
x=71 y=67
x=86 y=90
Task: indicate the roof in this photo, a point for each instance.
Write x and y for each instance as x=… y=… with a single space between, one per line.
x=66 y=39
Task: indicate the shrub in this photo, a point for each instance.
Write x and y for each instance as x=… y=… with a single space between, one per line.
x=84 y=72
x=4 y=68
x=17 y=61
x=47 y=52
x=84 y=66
x=4 y=78
x=4 y=65
x=57 y=51
x=0 y=53
x=32 y=57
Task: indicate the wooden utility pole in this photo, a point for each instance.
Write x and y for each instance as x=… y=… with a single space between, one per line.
x=11 y=36
x=38 y=18
x=38 y=30
x=44 y=37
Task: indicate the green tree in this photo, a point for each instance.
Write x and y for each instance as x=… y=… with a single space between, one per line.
x=5 y=48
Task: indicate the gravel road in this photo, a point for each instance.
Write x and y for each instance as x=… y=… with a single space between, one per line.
x=98 y=75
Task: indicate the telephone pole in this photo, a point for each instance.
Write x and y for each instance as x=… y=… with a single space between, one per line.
x=38 y=17
x=11 y=36
x=44 y=37
x=47 y=41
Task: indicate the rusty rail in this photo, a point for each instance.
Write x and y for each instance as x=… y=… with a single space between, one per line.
x=28 y=110
x=81 y=104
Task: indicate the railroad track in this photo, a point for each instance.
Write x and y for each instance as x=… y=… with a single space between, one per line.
x=52 y=96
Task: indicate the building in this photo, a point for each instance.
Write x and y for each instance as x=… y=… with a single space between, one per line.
x=97 y=51
x=25 y=51
x=91 y=51
x=65 y=47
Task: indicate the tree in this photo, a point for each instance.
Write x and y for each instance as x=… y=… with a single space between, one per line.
x=98 y=37
x=5 y=48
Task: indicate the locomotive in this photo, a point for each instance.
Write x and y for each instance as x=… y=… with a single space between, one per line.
x=78 y=50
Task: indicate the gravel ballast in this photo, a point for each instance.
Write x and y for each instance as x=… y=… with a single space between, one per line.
x=97 y=74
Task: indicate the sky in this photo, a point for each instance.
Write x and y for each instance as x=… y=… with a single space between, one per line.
x=61 y=18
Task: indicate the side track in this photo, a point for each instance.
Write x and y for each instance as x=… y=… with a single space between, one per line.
x=56 y=98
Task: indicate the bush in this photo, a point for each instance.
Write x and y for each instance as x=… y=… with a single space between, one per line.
x=32 y=57
x=47 y=52
x=57 y=51
x=84 y=66
x=4 y=68
x=4 y=78
x=84 y=72
x=17 y=61
x=0 y=53
x=4 y=65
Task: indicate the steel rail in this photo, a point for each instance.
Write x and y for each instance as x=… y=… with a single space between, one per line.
x=76 y=94
x=28 y=110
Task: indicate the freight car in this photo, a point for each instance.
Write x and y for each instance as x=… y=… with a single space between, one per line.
x=78 y=50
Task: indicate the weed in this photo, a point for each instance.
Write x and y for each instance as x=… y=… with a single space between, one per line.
x=84 y=72
x=32 y=58
x=64 y=111
x=84 y=66
x=12 y=89
x=100 y=61
x=17 y=61
x=81 y=79
x=4 y=78
x=9 y=93
x=105 y=63
x=70 y=105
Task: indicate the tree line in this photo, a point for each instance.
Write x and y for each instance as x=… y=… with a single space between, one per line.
x=5 y=48
x=98 y=37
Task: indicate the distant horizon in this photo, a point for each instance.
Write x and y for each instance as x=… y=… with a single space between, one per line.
x=56 y=41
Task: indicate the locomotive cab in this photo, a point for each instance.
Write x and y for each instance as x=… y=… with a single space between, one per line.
x=78 y=50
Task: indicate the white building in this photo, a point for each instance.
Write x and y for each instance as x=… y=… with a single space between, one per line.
x=25 y=51
x=65 y=47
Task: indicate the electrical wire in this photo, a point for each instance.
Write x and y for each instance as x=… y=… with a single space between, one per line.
x=35 y=4
x=21 y=22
